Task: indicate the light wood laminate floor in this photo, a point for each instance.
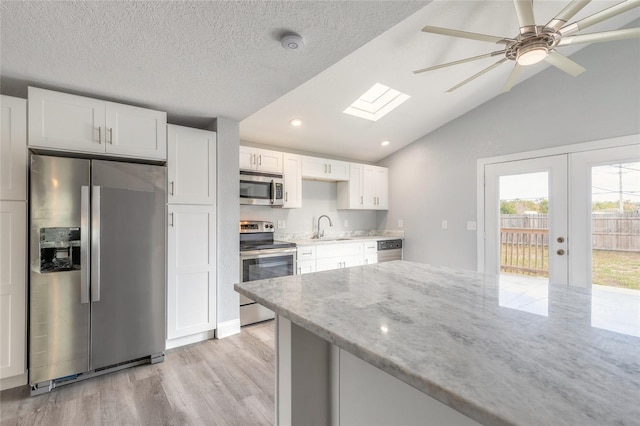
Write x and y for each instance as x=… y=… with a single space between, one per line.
x=217 y=382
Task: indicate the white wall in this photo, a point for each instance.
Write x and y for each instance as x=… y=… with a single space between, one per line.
x=228 y=199
x=318 y=198
x=434 y=178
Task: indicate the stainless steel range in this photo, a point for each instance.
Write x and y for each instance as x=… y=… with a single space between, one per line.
x=261 y=257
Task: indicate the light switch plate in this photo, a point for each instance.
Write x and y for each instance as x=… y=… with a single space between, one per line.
x=281 y=224
x=471 y=225
x=400 y=223
x=445 y=225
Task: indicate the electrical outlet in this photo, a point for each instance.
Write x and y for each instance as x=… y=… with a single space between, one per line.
x=400 y=223
x=445 y=225
x=346 y=223
x=471 y=225
x=281 y=224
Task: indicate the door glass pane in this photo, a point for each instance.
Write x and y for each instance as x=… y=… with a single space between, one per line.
x=615 y=227
x=524 y=241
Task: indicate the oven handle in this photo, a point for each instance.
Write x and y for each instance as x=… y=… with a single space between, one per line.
x=266 y=253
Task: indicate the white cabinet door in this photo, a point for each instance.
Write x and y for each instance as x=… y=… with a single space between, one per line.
x=381 y=188
x=306 y=266
x=191 y=165
x=350 y=193
x=13 y=288
x=13 y=148
x=66 y=122
x=329 y=264
x=292 y=181
x=191 y=296
x=338 y=170
x=263 y=160
x=136 y=132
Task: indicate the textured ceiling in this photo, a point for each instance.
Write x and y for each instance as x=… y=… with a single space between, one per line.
x=194 y=59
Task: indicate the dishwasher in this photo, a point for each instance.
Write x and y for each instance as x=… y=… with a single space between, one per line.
x=389 y=250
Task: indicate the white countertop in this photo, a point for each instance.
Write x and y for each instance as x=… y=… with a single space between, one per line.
x=446 y=333
x=337 y=240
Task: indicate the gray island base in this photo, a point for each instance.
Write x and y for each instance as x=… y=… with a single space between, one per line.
x=408 y=343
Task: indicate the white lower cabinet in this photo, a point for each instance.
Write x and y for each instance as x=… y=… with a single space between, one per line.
x=338 y=262
x=370 y=252
x=325 y=257
x=306 y=266
x=13 y=290
x=191 y=268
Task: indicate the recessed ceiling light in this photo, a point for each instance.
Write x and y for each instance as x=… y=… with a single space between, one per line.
x=296 y=122
x=385 y=143
x=376 y=102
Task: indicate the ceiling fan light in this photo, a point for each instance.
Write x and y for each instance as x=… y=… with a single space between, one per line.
x=532 y=55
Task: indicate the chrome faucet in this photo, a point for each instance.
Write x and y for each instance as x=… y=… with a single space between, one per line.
x=321 y=234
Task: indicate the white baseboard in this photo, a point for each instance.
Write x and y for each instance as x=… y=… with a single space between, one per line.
x=228 y=328
x=14 y=381
x=187 y=340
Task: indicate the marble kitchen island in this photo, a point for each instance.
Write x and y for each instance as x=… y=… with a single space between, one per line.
x=408 y=343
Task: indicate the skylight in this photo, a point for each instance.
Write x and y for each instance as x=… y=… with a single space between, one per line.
x=376 y=102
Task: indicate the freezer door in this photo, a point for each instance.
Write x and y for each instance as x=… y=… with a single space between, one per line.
x=128 y=262
x=59 y=267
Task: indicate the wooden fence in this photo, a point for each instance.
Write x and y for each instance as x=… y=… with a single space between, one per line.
x=525 y=250
x=610 y=231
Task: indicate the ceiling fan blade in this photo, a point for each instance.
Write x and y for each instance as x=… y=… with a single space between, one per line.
x=461 y=61
x=464 y=34
x=473 y=77
x=603 y=36
x=513 y=77
x=565 y=64
x=565 y=14
x=599 y=17
x=526 y=20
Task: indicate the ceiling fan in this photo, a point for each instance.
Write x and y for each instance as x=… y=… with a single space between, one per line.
x=535 y=43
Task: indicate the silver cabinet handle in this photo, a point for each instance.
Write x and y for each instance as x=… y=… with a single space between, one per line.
x=329 y=168
x=95 y=245
x=325 y=168
x=171 y=216
x=111 y=135
x=253 y=159
x=361 y=199
x=85 y=278
x=99 y=135
x=172 y=183
x=260 y=160
x=306 y=253
x=286 y=196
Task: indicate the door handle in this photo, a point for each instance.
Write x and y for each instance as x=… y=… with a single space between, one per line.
x=560 y=239
x=85 y=269
x=560 y=252
x=273 y=191
x=95 y=245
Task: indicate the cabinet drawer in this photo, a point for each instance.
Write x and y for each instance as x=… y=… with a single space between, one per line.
x=370 y=247
x=307 y=253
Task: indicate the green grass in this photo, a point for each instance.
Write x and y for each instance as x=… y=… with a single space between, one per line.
x=617 y=268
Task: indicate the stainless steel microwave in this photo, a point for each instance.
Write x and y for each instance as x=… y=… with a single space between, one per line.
x=261 y=189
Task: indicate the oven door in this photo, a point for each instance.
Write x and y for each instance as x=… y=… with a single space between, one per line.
x=263 y=264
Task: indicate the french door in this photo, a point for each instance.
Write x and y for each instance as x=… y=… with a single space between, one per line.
x=526 y=219
x=545 y=217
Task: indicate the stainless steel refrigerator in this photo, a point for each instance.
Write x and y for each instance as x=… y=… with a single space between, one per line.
x=97 y=260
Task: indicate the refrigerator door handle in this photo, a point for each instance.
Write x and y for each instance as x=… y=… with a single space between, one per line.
x=95 y=245
x=85 y=270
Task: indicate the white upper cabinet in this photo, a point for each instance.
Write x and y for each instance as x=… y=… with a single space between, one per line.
x=13 y=149
x=262 y=160
x=135 y=132
x=323 y=169
x=367 y=188
x=191 y=165
x=292 y=181
x=61 y=121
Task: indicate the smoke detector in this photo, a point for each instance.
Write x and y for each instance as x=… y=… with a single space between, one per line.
x=292 y=41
